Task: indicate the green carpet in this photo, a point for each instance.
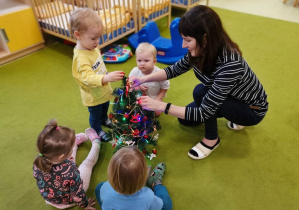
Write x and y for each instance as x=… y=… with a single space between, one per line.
x=256 y=168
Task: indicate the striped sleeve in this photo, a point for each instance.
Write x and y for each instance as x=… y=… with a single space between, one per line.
x=231 y=78
x=180 y=67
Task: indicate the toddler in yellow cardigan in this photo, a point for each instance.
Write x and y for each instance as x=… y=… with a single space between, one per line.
x=89 y=69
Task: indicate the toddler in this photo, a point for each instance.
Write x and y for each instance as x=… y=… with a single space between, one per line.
x=127 y=175
x=89 y=69
x=146 y=59
x=60 y=182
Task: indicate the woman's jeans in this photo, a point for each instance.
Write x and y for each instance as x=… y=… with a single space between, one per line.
x=231 y=109
x=159 y=190
x=98 y=115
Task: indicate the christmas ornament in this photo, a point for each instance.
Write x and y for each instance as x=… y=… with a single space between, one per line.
x=132 y=125
x=128 y=87
x=136 y=133
x=135 y=118
x=151 y=156
x=144 y=119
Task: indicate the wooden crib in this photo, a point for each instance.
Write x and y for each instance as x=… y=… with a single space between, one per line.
x=186 y=4
x=53 y=17
x=152 y=10
x=149 y=10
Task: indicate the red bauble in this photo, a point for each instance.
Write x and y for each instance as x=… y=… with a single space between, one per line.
x=144 y=119
x=126 y=116
x=144 y=151
x=136 y=132
x=154 y=151
x=145 y=136
x=111 y=116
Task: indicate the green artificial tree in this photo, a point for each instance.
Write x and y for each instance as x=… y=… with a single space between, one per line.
x=132 y=125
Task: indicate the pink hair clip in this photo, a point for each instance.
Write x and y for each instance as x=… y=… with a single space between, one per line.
x=57 y=128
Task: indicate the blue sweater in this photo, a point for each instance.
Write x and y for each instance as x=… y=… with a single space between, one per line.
x=144 y=199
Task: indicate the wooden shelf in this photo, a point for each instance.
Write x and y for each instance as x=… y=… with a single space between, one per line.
x=3 y=53
x=20 y=32
x=7 y=57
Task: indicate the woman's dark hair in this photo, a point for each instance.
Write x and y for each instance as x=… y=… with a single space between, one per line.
x=199 y=22
x=52 y=142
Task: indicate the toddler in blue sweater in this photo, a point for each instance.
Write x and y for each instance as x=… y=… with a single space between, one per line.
x=127 y=176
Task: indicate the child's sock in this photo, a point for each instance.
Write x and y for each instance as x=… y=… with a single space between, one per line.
x=96 y=141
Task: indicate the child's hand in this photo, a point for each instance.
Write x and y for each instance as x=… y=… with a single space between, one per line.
x=91 y=202
x=113 y=76
x=143 y=88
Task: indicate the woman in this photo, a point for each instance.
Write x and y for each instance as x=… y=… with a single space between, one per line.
x=228 y=88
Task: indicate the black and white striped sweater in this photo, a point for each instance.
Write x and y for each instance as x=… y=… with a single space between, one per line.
x=232 y=77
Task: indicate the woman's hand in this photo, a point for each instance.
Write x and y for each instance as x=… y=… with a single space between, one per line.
x=151 y=104
x=135 y=81
x=91 y=202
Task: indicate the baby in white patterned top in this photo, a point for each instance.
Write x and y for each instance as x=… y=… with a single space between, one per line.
x=146 y=59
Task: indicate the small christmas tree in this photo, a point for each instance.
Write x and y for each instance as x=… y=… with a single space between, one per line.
x=132 y=125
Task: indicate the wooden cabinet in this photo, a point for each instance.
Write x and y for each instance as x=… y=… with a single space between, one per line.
x=19 y=31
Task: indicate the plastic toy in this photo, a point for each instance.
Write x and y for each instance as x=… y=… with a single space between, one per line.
x=168 y=50
x=116 y=53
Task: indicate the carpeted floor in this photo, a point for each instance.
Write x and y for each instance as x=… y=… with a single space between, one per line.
x=256 y=168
